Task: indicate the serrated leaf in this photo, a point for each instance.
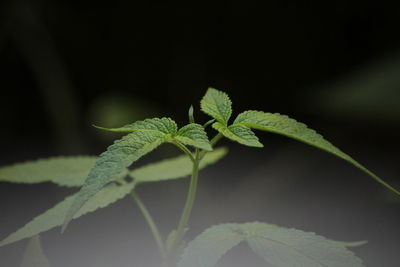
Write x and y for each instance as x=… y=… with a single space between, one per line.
x=174 y=168
x=283 y=125
x=54 y=216
x=208 y=247
x=114 y=161
x=294 y=248
x=281 y=247
x=193 y=134
x=64 y=171
x=34 y=255
x=165 y=125
x=238 y=133
x=217 y=104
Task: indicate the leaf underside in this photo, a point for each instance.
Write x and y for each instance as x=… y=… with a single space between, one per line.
x=283 y=125
x=280 y=247
x=217 y=105
x=54 y=216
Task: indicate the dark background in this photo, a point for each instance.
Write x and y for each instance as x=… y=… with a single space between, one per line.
x=335 y=66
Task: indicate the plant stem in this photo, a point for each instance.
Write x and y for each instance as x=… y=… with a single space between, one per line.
x=150 y=222
x=184 y=149
x=212 y=142
x=188 y=205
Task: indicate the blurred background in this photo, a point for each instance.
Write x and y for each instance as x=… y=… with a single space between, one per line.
x=65 y=65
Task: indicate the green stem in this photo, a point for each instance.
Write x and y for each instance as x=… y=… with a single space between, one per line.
x=212 y=142
x=150 y=222
x=184 y=149
x=188 y=205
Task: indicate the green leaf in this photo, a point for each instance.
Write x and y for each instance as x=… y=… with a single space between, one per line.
x=165 y=125
x=118 y=156
x=64 y=171
x=55 y=216
x=193 y=134
x=283 y=125
x=34 y=255
x=239 y=133
x=190 y=114
x=280 y=247
x=217 y=104
x=290 y=247
x=208 y=247
x=174 y=168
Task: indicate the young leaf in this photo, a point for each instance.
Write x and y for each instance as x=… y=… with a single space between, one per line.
x=165 y=125
x=64 y=171
x=174 y=168
x=281 y=247
x=217 y=104
x=239 y=133
x=55 y=215
x=283 y=125
x=34 y=255
x=113 y=161
x=193 y=134
x=190 y=114
x=207 y=248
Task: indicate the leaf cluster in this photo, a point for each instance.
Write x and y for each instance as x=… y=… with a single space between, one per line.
x=102 y=182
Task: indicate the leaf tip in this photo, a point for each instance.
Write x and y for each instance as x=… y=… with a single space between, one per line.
x=99 y=127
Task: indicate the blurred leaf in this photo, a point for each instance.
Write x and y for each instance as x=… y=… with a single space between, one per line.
x=280 y=247
x=64 y=171
x=118 y=109
x=369 y=93
x=174 y=168
x=55 y=215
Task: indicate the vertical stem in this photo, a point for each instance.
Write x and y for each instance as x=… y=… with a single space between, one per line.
x=150 y=222
x=188 y=205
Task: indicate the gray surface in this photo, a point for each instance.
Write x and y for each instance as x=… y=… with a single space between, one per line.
x=294 y=187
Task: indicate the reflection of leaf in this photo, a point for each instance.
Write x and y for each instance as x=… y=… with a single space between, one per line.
x=283 y=125
x=54 y=216
x=174 y=168
x=64 y=171
x=34 y=255
x=280 y=247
